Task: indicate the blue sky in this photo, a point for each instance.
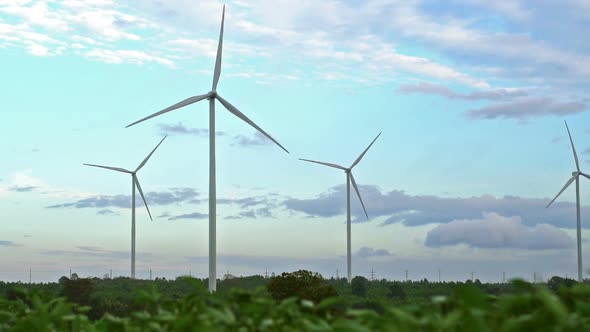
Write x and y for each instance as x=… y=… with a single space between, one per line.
x=470 y=96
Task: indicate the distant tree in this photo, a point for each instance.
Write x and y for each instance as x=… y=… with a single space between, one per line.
x=62 y=280
x=74 y=276
x=359 y=286
x=555 y=283
x=302 y=284
x=396 y=291
x=78 y=290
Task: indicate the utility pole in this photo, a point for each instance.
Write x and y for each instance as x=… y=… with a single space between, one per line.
x=29 y=276
x=471 y=276
x=372 y=274
x=266 y=273
x=70 y=273
x=406 y=275
x=111 y=273
x=439 y=275
x=337 y=275
x=503 y=277
x=150 y=274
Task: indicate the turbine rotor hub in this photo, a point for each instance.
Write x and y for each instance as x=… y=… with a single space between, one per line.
x=576 y=173
x=212 y=94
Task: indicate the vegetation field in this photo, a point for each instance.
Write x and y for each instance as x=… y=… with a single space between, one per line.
x=298 y=301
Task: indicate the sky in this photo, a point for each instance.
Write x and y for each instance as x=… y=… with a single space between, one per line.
x=470 y=97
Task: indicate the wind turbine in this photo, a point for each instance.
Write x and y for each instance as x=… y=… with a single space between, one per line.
x=575 y=177
x=134 y=182
x=211 y=96
x=349 y=179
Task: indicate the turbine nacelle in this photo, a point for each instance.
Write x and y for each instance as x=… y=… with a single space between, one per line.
x=576 y=173
x=212 y=94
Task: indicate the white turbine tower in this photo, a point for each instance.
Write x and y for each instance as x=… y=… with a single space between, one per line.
x=575 y=177
x=349 y=179
x=134 y=182
x=211 y=96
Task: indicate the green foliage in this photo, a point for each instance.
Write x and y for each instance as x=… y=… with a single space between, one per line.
x=467 y=308
x=359 y=286
x=184 y=304
x=301 y=284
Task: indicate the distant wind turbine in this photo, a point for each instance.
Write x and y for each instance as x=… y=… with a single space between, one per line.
x=349 y=179
x=575 y=177
x=211 y=96
x=134 y=182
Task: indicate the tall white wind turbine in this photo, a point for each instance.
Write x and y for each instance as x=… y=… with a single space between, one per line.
x=211 y=96
x=575 y=177
x=349 y=179
x=134 y=182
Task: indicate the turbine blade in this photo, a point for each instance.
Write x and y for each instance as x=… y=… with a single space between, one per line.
x=183 y=103
x=117 y=169
x=142 y=197
x=363 y=154
x=149 y=155
x=241 y=115
x=562 y=189
x=585 y=175
x=573 y=148
x=217 y=71
x=358 y=193
x=325 y=164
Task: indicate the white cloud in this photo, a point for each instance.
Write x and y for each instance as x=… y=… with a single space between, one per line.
x=524 y=108
x=454 y=35
x=86 y=40
x=127 y=56
x=37 y=14
x=496 y=231
x=509 y=8
x=37 y=49
x=42 y=25
x=24 y=181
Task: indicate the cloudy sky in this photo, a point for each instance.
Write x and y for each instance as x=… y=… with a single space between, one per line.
x=470 y=96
